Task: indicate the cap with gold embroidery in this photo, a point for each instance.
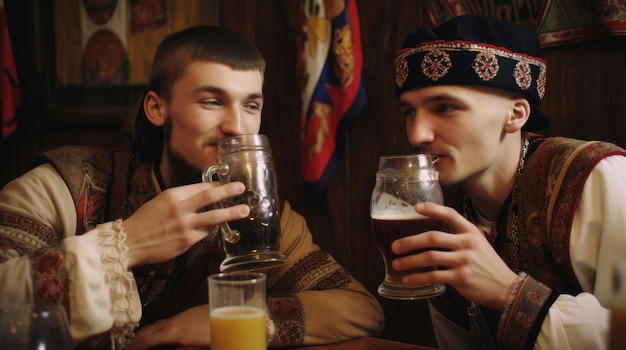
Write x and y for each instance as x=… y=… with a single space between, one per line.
x=474 y=50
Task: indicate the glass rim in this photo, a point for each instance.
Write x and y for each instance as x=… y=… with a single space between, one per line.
x=421 y=164
x=238 y=276
x=405 y=155
x=420 y=160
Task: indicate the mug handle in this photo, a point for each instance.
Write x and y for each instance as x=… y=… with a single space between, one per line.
x=229 y=235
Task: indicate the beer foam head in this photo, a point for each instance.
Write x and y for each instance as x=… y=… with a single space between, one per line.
x=389 y=206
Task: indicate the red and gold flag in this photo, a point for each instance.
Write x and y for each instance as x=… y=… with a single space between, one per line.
x=332 y=89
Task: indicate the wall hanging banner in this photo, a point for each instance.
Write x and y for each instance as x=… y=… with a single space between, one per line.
x=9 y=83
x=557 y=22
x=104 y=43
x=111 y=43
x=332 y=91
x=571 y=21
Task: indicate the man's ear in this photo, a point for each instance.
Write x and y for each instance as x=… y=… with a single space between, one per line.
x=519 y=115
x=154 y=107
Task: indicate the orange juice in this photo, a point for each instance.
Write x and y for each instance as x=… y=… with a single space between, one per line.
x=238 y=328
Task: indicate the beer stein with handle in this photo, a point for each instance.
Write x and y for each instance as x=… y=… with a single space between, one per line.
x=250 y=243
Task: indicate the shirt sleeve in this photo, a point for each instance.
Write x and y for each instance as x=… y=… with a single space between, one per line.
x=597 y=240
x=313 y=299
x=38 y=221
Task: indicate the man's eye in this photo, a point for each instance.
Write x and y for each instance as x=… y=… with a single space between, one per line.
x=443 y=108
x=409 y=113
x=253 y=106
x=211 y=102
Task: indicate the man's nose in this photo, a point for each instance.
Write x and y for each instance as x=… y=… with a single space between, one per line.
x=232 y=123
x=420 y=131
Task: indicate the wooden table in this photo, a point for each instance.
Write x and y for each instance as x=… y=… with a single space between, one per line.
x=366 y=343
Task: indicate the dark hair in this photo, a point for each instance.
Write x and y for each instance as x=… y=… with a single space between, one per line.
x=174 y=54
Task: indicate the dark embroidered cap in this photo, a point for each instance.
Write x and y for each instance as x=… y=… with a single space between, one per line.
x=474 y=50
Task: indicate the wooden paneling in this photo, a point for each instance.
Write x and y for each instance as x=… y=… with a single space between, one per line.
x=586 y=90
x=585 y=98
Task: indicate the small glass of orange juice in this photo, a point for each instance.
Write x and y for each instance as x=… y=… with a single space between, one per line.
x=238 y=311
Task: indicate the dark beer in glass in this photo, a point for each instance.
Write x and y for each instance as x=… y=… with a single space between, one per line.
x=402 y=182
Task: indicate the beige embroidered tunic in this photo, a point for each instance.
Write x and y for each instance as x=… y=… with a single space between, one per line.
x=311 y=300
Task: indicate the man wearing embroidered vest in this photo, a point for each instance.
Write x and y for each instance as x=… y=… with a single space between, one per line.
x=537 y=221
x=121 y=239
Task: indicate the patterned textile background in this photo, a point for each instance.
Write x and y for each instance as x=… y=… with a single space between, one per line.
x=557 y=22
x=112 y=42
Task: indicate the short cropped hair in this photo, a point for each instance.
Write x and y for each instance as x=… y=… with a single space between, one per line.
x=174 y=54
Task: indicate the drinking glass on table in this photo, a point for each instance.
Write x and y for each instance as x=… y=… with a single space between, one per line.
x=238 y=311
x=34 y=326
x=401 y=182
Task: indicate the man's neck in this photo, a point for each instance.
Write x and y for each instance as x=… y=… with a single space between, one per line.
x=489 y=193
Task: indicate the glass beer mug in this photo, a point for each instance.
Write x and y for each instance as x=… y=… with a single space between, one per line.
x=401 y=182
x=250 y=243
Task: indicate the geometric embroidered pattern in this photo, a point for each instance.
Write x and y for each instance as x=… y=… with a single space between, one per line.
x=439 y=57
x=486 y=65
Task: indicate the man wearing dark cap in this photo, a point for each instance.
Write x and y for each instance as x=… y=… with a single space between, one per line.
x=538 y=221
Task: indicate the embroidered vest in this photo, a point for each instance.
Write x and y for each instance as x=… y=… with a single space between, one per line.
x=107 y=185
x=96 y=179
x=549 y=190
